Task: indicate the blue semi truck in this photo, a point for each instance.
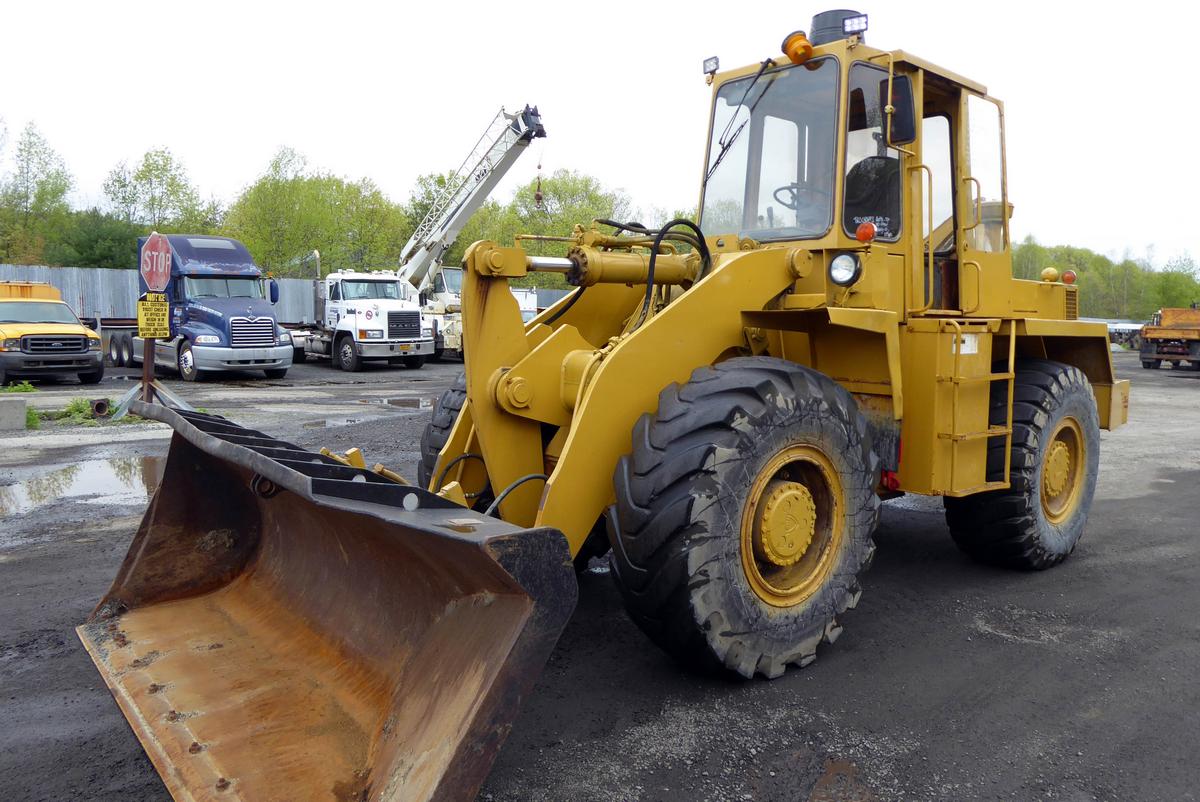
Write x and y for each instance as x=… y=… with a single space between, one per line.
x=222 y=313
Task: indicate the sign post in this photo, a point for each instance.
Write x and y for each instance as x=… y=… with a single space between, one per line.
x=154 y=323
x=155 y=267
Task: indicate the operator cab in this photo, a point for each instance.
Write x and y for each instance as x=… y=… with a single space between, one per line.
x=825 y=149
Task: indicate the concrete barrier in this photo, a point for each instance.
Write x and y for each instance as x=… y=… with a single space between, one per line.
x=12 y=413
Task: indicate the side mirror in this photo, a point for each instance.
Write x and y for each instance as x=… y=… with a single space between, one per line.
x=423 y=299
x=274 y=291
x=902 y=122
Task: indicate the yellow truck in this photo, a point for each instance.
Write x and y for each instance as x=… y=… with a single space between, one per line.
x=40 y=335
x=1173 y=335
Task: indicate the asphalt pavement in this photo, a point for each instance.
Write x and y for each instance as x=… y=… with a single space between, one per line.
x=951 y=680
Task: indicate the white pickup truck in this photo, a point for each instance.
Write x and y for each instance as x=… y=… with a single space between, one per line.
x=365 y=316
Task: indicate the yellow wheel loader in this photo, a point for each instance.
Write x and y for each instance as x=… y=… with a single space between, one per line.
x=724 y=403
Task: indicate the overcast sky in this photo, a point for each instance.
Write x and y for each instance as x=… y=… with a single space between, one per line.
x=1100 y=106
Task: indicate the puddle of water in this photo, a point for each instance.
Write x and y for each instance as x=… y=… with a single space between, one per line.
x=120 y=480
x=331 y=423
x=403 y=403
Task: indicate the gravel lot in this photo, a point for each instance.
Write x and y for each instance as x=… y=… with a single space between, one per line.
x=951 y=681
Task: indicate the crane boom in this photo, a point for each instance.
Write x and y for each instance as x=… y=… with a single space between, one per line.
x=495 y=152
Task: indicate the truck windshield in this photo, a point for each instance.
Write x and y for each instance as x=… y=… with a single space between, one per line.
x=223 y=287
x=771 y=170
x=453 y=276
x=368 y=290
x=36 y=312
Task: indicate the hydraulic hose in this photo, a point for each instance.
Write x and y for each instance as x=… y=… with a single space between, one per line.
x=705 y=260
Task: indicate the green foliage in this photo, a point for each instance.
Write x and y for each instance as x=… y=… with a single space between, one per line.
x=292 y=210
x=93 y=238
x=158 y=195
x=32 y=421
x=1128 y=289
x=33 y=199
x=22 y=386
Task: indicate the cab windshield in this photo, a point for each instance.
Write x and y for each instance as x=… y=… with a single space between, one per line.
x=223 y=287
x=36 y=312
x=450 y=280
x=771 y=159
x=370 y=290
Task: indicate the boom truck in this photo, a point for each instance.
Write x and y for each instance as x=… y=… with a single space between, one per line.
x=724 y=404
x=363 y=316
x=502 y=143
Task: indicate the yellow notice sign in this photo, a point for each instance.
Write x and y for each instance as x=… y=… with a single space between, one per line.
x=154 y=316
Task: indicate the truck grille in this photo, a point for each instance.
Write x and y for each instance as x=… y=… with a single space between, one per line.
x=404 y=324
x=53 y=344
x=246 y=333
x=1072 y=310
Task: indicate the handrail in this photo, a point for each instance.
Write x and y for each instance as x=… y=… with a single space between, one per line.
x=928 y=242
x=978 y=202
x=978 y=287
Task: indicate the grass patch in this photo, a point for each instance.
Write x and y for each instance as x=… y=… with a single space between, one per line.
x=78 y=412
x=22 y=386
x=32 y=421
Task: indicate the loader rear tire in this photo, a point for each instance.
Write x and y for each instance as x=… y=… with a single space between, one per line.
x=437 y=431
x=1038 y=520
x=708 y=503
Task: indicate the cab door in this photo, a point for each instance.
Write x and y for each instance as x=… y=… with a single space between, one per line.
x=982 y=213
x=333 y=308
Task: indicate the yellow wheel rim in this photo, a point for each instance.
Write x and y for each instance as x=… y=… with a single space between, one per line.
x=1063 y=467
x=792 y=526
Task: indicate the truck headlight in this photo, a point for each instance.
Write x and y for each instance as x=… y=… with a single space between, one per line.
x=12 y=345
x=93 y=343
x=427 y=331
x=845 y=269
x=370 y=334
x=285 y=336
x=207 y=339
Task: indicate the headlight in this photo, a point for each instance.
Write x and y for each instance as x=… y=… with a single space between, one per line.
x=285 y=336
x=93 y=343
x=845 y=269
x=427 y=332
x=370 y=334
x=12 y=345
x=207 y=339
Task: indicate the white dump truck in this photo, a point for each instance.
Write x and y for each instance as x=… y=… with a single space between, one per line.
x=364 y=316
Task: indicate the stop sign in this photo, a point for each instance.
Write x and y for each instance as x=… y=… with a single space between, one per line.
x=155 y=265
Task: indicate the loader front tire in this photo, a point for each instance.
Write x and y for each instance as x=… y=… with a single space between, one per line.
x=1038 y=520
x=437 y=431
x=744 y=516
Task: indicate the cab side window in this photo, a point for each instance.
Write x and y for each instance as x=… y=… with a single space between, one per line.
x=335 y=292
x=935 y=153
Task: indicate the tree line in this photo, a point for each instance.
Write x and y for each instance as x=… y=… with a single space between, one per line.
x=293 y=208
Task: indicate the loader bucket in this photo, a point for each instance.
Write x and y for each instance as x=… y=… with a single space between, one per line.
x=285 y=627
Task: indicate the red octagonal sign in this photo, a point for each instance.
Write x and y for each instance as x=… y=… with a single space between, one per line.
x=155 y=263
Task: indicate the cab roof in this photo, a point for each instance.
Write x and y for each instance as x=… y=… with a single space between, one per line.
x=202 y=254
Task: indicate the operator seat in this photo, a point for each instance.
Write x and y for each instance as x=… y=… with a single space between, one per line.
x=873 y=195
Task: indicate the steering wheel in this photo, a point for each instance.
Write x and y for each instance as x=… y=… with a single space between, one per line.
x=794 y=192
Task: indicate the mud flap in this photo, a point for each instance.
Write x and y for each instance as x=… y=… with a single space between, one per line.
x=285 y=627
